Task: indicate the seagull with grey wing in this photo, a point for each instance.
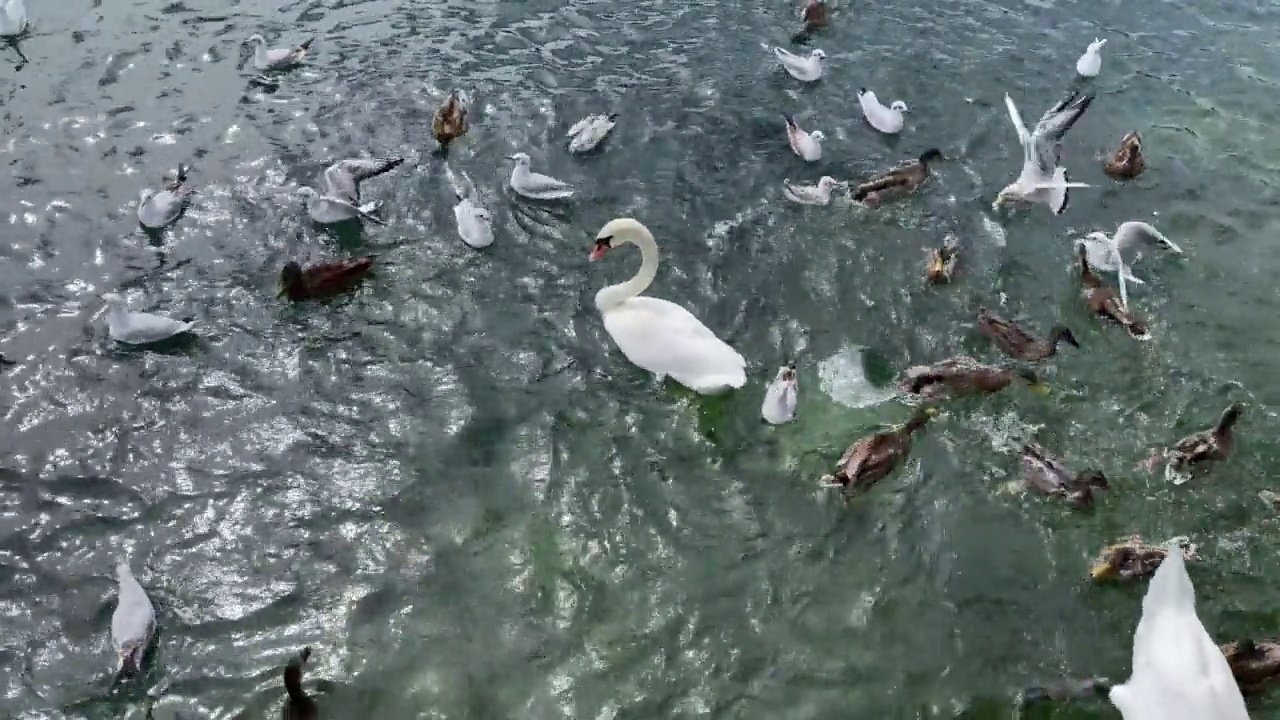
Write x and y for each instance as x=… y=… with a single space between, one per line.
x=340 y=199
x=160 y=209
x=265 y=58
x=1108 y=253
x=1041 y=179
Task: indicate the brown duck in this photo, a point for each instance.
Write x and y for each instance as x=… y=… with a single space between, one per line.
x=299 y=705
x=1255 y=665
x=1131 y=558
x=814 y=15
x=1103 y=300
x=898 y=182
x=942 y=260
x=1195 y=453
x=1046 y=475
x=1019 y=344
x=323 y=280
x=871 y=458
x=961 y=376
x=1127 y=163
x=450 y=121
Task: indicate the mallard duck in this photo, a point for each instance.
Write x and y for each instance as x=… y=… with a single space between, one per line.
x=1019 y=344
x=323 y=280
x=871 y=458
x=1255 y=665
x=299 y=705
x=450 y=121
x=814 y=15
x=1046 y=475
x=1102 y=299
x=898 y=182
x=1196 y=452
x=1127 y=163
x=942 y=260
x=1131 y=558
x=960 y=376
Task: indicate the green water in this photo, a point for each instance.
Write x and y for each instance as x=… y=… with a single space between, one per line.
x=462 y=497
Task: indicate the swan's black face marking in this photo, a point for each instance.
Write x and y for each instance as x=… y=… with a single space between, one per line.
x=603 y=245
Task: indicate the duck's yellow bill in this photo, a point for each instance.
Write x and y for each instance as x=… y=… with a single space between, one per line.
x=280 y=294
x=1101 y=571
x=931 y=411
x=1040 y=389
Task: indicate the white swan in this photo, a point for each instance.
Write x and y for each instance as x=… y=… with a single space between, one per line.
x=265 y=58
x=1090 y=63
x=887 y=120
x=473 y=223
x=1108 y=253
x=13 y=17
x=138 y=328
x=805 y=144
x=804 y=69
x=1178 y=671
x=132 y=624
x=658 y=335
x=588 y=132
x=819 y=194
x=780 y=398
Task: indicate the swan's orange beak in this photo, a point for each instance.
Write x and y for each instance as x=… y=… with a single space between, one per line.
x=598 y=252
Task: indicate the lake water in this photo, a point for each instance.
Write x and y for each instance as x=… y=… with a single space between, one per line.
x=455 y=489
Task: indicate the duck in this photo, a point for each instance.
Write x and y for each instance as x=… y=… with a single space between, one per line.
x=1197 y=452
x=1254 y=664
x=1107 y=252
x=819 y=194
x=1127 y=163
x=781 y=397
x=299 y=705
x=804 y=69
x=132 y=624
x=1090 y=63
x=658 y=335
x=872 y=458
x=323 y=280
x=535 y=186
x=1131 y=558
x=450 y=121
x=265 y=58
x=1179 y=673
x=139 y=328
x=804 y=144
x=962 y=376
x=887 y=120
x=474 y=222
x=13 y=18
x=1046 y=475
x=1102 y=299
x=814 y=15
x=898 y=182
x=1066 y=691
x=942 y=260
x=160 y=209
x=590 y=131
x=1019 y=344
x=6 y=361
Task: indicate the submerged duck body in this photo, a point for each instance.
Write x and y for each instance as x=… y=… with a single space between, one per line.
x=323 y=280
x=1046 y=475
x=450 y=120
x=298 y=705
x=1019 y=344
x=961 y=376
x=942 y=261
x=872 y=458
x=1127 y=162
x=897 y=183
x=1132 y=558
x=1255 y=665
x=1102 y=299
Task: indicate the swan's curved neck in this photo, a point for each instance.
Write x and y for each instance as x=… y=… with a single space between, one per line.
x=620 y=293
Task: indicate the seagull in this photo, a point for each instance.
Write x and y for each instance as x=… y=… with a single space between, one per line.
x=804 y=69
x=532 y=185
x=473 y=222
x=159 y=209
x=781 y=396
x=1107 y=253
x=1090 y=63
x=1041 y=179
x=340 y=199
x=588 y=132
x=132 y=624
x=887 y=120
x=137 y=328
x=807 y=145
x=13 y=18
x=265 y=58
x=819 y=194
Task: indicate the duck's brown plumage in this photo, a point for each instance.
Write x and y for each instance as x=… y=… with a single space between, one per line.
x=1255 y=665
x=450 y=121
x=1199 y=450
x=299 y=705
x=898 y=182
x=871 y=458
x=815 y=15
x=942 y=260
x=1046 y=475
x=1103 y=300
x=1127 y=162
x=1131 y=558
x=1019 y=344
x=960 y=376
x=323 y=280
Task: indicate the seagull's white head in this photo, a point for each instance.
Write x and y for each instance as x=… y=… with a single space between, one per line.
x=521 y=159
x=306 y=192
x=1096 y=45
x=146 y=196
x=817 y=136
x=899 y=106
x=817 y=55
x=256 y=38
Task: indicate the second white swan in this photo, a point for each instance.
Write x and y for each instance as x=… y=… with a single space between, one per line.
x=658 y=335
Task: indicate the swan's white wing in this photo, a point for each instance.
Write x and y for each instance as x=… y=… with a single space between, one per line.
x=666 y=339
x=140 y=328
x=1134 y=232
